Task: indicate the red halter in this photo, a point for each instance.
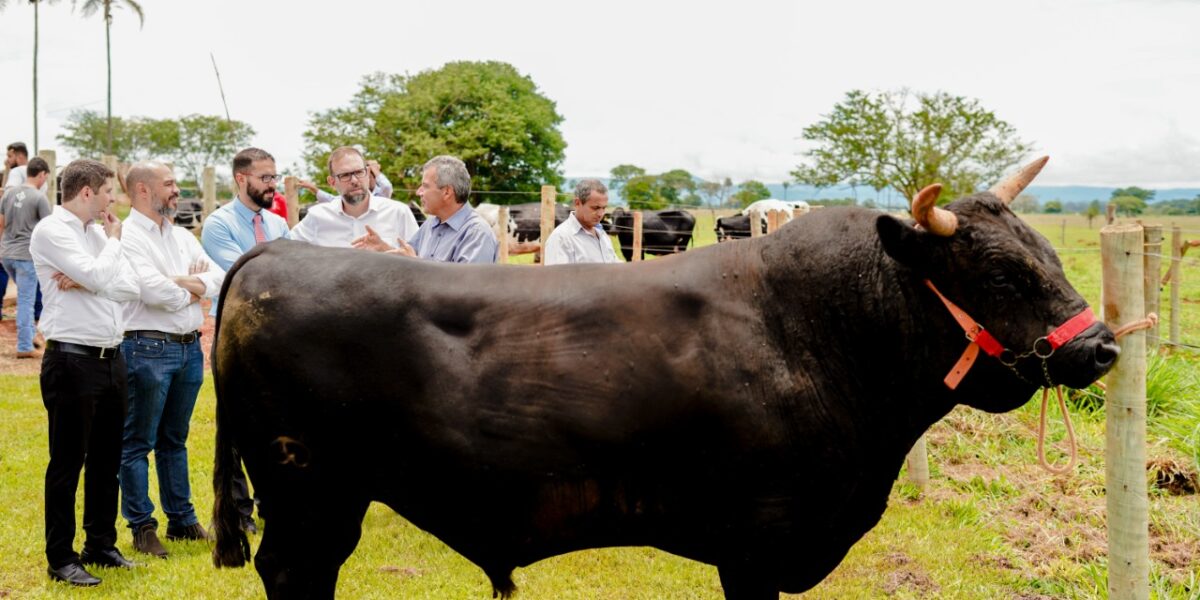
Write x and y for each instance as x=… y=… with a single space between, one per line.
x=1043 y=347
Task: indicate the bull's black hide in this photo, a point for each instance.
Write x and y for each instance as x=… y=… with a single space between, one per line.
x=746 y=404
x=663 y=231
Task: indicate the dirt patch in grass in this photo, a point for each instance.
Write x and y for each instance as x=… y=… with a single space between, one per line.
x=914 y=580
x=1173 y=477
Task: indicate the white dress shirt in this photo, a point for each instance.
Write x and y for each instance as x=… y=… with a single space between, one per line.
x=329 y=225
x=92 y=315
x=570 y=243
x=157 y=253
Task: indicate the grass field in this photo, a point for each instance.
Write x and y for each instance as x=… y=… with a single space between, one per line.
x=991 y=525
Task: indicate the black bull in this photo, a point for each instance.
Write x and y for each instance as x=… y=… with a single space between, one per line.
x=753 y=416
x=663 y=231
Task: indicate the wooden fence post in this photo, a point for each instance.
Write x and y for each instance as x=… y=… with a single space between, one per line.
x=502 y=236
x=548 y=196
x=637 y=235
x=1174 y=272
x=796 y=212
x=755 y=224
x=118 y=182
x=52 y=180
x=1062 y=237
x=291 y=191
x=1151 y=268
x=1110 y=213
x=209 y=189
x=1125 y=410
x=918 y=465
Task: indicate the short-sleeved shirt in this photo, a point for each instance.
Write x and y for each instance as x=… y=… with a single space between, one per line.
x=17 y=177
x=22 y=207
x=465 y=237
x=570 y=243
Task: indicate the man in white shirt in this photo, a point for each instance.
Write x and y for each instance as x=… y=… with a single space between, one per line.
x=163 y=356
x=581 y=239
x=16 y=159
x=86 y=280
x=378 y=184
x=357 y=211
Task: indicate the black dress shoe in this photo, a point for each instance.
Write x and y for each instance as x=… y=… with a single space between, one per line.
x=106 y=558
x=73 y=574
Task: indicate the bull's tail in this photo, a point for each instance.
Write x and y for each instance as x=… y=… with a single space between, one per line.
x=232 y=549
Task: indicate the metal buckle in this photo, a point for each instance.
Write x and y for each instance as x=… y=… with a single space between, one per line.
x=1008 y=358
x=1040 y=354
x=104 y=352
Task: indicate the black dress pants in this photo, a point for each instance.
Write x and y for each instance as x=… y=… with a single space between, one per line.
x=85 y=400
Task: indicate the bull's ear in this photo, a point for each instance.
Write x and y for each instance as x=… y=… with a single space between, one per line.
x=905 y=244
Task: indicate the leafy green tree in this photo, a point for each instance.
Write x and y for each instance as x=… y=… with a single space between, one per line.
x=750 y=191
x=716 y=191
x=619 y=174
x=1129 y=205
x=644 y=193
x=89 y=8
x=1053 y=207
x=1093 y=211
x=882 y=140
x=486 y=113
x=679 y=187
x=1137 y=192
x=208 y=140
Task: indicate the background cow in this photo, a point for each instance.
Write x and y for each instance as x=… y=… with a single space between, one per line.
x=663 y=231
x=738 y=226
x=528 y=217
x=747 y=405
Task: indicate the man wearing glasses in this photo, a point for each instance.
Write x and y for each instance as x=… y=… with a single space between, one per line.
x=378 y=184
x=232 y=230
x=358 y=213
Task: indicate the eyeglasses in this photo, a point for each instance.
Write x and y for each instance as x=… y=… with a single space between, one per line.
x=267 y=179
x=348 y=175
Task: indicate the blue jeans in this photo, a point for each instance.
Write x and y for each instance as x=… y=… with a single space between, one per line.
x=27 y=286
x=164 y=378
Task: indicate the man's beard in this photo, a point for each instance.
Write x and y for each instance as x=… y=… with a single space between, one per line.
x=263 y=198
x=165 y=208
x=353 y=198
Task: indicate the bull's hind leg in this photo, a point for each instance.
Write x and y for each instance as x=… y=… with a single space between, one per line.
x=743 y=582
x=305 y=541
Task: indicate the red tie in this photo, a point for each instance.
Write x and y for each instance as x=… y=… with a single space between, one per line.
x=259 y=235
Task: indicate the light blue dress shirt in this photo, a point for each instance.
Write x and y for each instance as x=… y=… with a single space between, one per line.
x=465 y=237
x=228 y=233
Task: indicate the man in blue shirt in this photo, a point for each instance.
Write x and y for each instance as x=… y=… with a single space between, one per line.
x=232 y=230
x=454 y=232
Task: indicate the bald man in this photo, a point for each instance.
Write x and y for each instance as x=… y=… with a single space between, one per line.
x=164 y=360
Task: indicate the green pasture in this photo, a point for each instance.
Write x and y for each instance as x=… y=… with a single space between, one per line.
x=991 y=525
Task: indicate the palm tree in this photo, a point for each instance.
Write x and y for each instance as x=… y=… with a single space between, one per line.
x=35 y=3
x=89 y=8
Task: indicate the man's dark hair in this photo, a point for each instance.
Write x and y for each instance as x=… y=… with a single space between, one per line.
x=84 y=173
x=243 y=160
x=37 y=165
x=19 y=148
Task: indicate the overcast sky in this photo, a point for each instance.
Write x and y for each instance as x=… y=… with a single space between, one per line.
x=1109 y=89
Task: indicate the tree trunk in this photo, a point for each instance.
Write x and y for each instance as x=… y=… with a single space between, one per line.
x=35 y=81
x=108 y=52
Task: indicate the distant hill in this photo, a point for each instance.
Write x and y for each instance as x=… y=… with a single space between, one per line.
x=1067 y=194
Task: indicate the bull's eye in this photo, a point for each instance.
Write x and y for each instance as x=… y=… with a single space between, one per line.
x=998 y=279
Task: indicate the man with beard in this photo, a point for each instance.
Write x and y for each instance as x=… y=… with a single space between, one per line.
x=358 y=213
x=232 y=230
x=82 y=268
x=163 y=357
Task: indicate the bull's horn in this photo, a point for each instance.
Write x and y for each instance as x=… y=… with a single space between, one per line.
x=937 y=221
x=1008 y=189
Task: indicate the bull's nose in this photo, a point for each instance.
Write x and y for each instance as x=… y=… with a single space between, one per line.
x=1106 y=354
